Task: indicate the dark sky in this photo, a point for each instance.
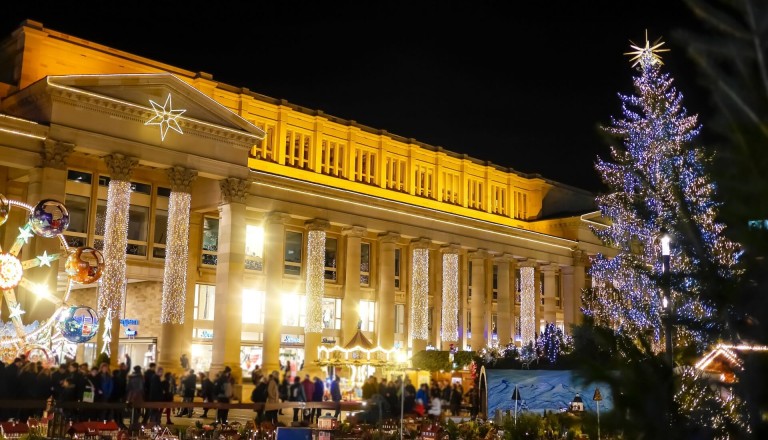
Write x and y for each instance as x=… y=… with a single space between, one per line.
x=521 y=84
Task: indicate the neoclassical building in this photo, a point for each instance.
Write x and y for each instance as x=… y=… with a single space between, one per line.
x=242 y=229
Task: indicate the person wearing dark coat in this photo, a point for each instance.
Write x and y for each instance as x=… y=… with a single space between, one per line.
x=119 y=390
x=155 y=393
x=296 y=394
x=26 y=384
x=167 y=385
x=317 y=396
x=188 y=386
x=57 y=377
x=206 y=391
x=149 y=373
x=134 y=394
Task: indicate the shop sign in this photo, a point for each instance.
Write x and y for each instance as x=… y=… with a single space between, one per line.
x=127 y=322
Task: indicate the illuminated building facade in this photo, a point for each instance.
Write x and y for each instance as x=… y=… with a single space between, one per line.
x=258 y=229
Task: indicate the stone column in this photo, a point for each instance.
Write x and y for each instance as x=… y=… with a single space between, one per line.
x=504 y=303
x=529 y=302
x=350 y=315
x=550 y=294
x=477 y=303
x=274 y=251
x=112 y=283
x=386 y=292
x=230 y=267
x=46 y=182
x=419 y=294
x=175 y=287
x=451 y=294
x=195 y=243
x=573 y=284
x=315 y=290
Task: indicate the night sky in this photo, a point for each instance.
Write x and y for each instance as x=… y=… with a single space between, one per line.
x=521 y=84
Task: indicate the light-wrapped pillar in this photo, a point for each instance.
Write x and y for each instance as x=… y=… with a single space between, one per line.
x=449 y=333
x=386 y=293
x=528 y=304
x=112 y=282
x=477 y=303
x=230 y=267
x=419 y=322
x=504 y=309
x=274 y=251
x=172 y=308
x=315 y=290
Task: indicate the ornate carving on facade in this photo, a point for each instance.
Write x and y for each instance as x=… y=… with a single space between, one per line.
x=580 y=258
x=389 y=237
x=181 y=178
x=421 y=243
x=276 y=217
x=233 y=190
x=120 y=167
x=530 y=262
x=480 y=254
x=354 y=231
x=452 y=248
x=317 y=224
x=55 y=154
x=503 y=258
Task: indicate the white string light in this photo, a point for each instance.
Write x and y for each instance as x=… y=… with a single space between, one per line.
x=315 y=280
x=419 y=291
x=176 y=256
x=527 y=306
x=112 y=286
x=450 y=331
x=106 y=337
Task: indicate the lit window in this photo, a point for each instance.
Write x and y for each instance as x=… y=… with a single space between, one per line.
x=254 y=247
x=495 y=282
x=330 y=258
x=558 y=291
x=80 y=177
x=367 y=311
x=294 y=310
x=292 y=258
x=365 y=264
x=398 y=260
x=400 y=318
x=253 y=306
x=161 y=233
x=138 y=225
x=332 y=313
x=79 y=209
x=210 y=240
x=205 y=300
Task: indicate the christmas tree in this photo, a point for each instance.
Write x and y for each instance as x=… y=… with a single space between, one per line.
x=659 y=185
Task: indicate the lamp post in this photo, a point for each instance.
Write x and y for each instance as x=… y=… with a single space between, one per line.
x=666 y=299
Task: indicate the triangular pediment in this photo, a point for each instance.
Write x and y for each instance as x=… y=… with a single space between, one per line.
x=140 y=89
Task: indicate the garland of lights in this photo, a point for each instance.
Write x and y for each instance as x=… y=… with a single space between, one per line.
x=106 y=337
x=450 y=312
x=176 y=256
x=315 y=280
x=527 y=305
x=112 y=286
x=419 y=292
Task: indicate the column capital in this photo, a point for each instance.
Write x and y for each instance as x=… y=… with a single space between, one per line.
x=530 y=262
x=120 y=167
x=317 y=224
x=451 y=248
x=548 y=267
x=580 y=258
x=389 y=237
x=181 y=178
x=55 y=153
x=276 y=217
x=354 y=231
x=503 y=258
x=421 y=243
x=233 y=190
x=479 y=254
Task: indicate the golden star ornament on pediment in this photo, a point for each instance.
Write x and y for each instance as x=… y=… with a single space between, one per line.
x=647 y=54
x=166 y=117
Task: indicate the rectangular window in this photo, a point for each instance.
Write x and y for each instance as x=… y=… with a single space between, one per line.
x=469 y=280
x=364 y=166
x=205 y=301
x=494 y=324
x=163 y=192
x=297 y=147
x=398 y=261
x=518 y=328
x=79 y=208
x=475 y=194
x=400 y=318
x=292 y=258
x=499 y=194
x=253 y=306
x=368 y=315
x=395 y=174
x=254 y=247
x=558 y=291
x=365 y=264
x=294 y=310
x=141 y=188
x=332 y=158
x=100 y=226
x=210 y=240
x=495 y=282
x=161 y=233
x=451 y=188
x=332 y=313
x=138 y=227
x=330 y=258
x=423 y=184
x=80 y=177
x=541 y=287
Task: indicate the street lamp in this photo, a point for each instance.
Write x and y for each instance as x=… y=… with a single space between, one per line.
x=666 y=299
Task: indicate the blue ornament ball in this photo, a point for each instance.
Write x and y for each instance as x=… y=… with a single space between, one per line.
x=49 y=218
x=79 y=324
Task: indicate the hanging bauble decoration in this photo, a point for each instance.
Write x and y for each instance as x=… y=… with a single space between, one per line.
x=5 y=208
x=79 y=324
x=11 y=271
x=84 y=265
x=49 y=218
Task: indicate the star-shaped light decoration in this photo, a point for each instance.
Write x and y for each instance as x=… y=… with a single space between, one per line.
x=45 y=259
x=16 y=311
x=25 y=235
x=647 y=54
x=166 y=117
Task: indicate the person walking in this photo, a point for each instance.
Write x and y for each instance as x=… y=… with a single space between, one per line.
x=223 y=390
x=188 y=388
x=167 y=385
x=309 y=390
x=317 y=396
x=273 y=396
x=259 y=397
x=336 y=395
x=296 y=394
x=206 y=392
